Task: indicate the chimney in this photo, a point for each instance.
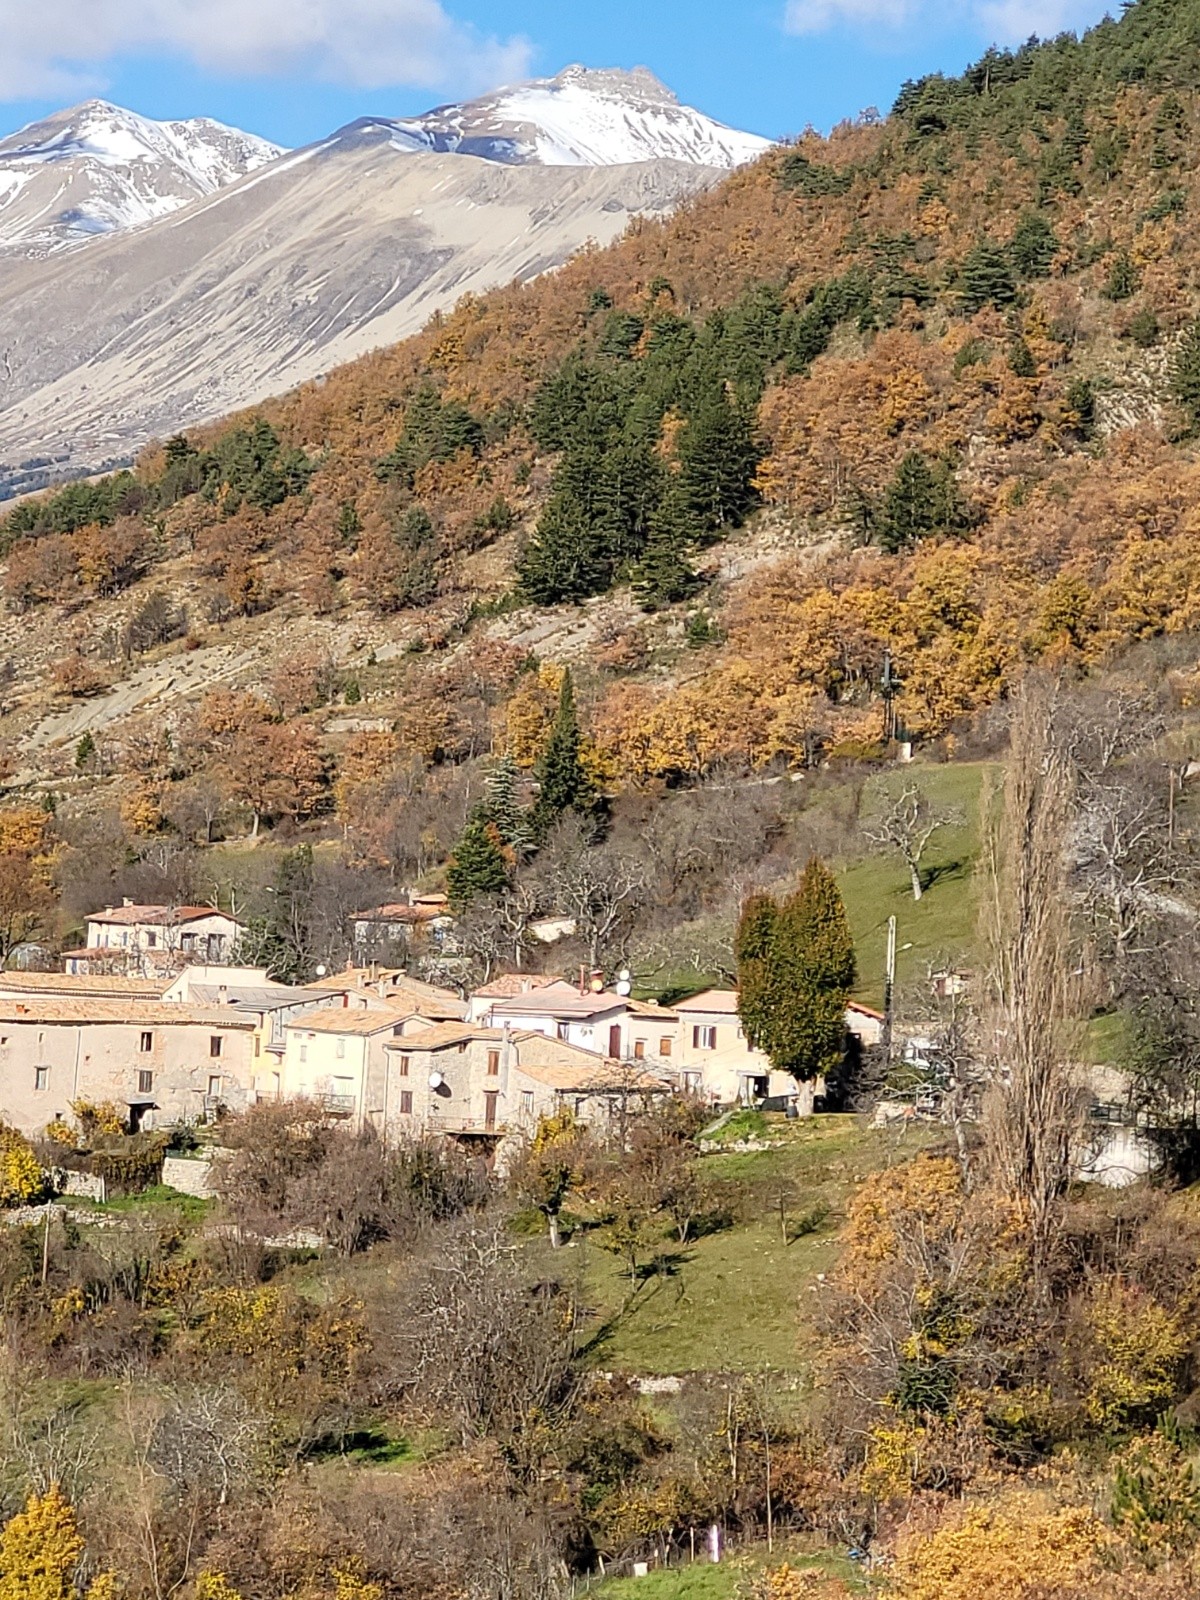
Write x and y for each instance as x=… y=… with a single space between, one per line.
x=126 y=901
x=223 y=994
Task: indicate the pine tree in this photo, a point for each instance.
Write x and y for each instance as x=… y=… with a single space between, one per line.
x=717 y=458
x=1123 y=277
x=987 y=278
x=1020 y=360
x=920 y=500
x=1185 y=373
x=85 y=751
x=563 y=785
x=1033 y=245
x=478 y=865
x=501 y=805
x=664 y=576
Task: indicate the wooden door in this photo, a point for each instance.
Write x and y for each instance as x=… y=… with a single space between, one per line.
x=489 y=1110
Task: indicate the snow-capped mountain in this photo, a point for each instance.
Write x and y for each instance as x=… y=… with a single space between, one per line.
x=581 y=118
x=98 y=169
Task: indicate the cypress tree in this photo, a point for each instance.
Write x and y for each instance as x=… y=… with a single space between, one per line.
x=754 y=949
x=796 y=969
x=478 y=865
x=563 y=785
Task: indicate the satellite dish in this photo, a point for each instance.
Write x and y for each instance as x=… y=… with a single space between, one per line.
x=436 y=1080
x=625 y=975
x=322 y=970
x=624 y=987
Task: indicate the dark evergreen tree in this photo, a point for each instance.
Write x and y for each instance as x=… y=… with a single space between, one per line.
x=478 y=865
x=796 y=969
x=1185 y=373
x=282 y=941
x=563 y=785
x=663 y=576
x=1020 y=360
x=501 y=805
x=920 y=500
x=717 y=458
x=986 y=278
x=754 y=949
x=1123 y=277
x=1033 y=245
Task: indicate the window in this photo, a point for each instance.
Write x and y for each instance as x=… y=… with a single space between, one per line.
x=214 y=1085
x=639 y=1049
x=664 y=1045
x=41 y=1077
x=304 y=1052
x=406 y=1102
x=340 y=1050
x=462 y=1049
x=145 y=1082
x=564 y=1029
x=404 y=1061
x=493 y=1063
x=215 y=1042
x=527 y=1102
x=704 y=1038
x=147 y=1042
x=152 y=940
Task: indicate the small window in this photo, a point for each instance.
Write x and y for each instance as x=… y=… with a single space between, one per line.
x=257 y=1046
x=340 y=1051
x=564 y=1029
x=493 y=1063
x=527 y=1102
x=639 y=1049
x=404 y=1064
x=147 y=1042
x=152 y=940
x=664 y=1045
x=704 y=1038
x=214 y=1086
x=41 y=1077
x=304 y=1052
x=215 y=1042
x=462 y=1049
x=406 y=1102
x=145 y=1082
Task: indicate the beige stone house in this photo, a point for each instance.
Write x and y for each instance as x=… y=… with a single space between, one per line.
x=158 y=1061
x=476 y=1083
x=132 y=938
x=608 y=1024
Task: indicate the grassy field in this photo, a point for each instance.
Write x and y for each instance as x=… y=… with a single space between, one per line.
x=740 y=1298
x=732 y=1577
x=942 y=925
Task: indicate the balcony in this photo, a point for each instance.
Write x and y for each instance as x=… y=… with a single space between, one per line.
x=467 y=1125
x=339 y=1105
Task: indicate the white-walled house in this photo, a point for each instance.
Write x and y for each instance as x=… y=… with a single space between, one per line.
x=717 y=1063
x=138 y=938
x=609 y=1024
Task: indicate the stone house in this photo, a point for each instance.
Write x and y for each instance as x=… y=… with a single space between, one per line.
x=158 y=1061
x=608 y=1024
x=133 y=938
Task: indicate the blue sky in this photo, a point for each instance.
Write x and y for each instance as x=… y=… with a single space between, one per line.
x=293 y=70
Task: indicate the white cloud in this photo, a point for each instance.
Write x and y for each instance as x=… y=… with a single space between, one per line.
x=63 y=47
x=1003 y=22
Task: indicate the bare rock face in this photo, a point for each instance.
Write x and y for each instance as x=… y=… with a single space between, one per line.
x=152 y=313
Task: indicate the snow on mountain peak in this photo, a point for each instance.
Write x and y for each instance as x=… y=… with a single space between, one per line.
x=97 y=168
x=590 y=117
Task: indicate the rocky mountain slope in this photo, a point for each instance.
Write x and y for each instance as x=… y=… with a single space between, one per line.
x=312 y=259
x=98 y=169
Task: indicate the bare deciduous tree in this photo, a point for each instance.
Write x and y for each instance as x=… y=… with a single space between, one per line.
x=907 y=826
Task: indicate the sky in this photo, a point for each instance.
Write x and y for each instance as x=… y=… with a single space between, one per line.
x=293 y=70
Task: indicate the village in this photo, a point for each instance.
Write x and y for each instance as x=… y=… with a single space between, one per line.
x=154 y=1017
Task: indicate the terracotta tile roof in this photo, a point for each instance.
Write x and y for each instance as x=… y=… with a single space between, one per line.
x=723 y=1002
x=156 y=916
x=98 y=1011
x=513 y=983
x=559 y=1000
x=72 y=985
x=602 y=1077
x=349 y=1020
x=442 y=1034
x=401 y=911
x=865 y=1011
x=651 y=1011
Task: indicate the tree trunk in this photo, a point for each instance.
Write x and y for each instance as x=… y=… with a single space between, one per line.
x=555 y=1236
x=914 y=872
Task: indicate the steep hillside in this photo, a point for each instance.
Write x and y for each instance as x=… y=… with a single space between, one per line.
x=923 y=393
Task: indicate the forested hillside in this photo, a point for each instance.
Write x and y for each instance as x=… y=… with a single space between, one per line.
x=922 y=392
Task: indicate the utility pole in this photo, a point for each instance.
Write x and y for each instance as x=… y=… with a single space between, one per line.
x=889 y=984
